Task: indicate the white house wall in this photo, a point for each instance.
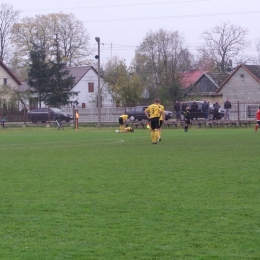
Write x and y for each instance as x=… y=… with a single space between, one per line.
x=10 y=80
x=87 y=97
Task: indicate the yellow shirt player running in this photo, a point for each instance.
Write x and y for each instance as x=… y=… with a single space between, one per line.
x=122 y=119
x=162 y=119
x=153 y=113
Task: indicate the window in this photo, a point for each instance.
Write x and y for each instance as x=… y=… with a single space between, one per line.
x=90 y=87
x=5 y=81
x=242 y=76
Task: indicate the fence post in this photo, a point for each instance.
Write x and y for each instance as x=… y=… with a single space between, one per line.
x=24 y=115
x=238 y=112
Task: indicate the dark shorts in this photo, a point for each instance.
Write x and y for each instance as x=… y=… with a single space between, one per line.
x=155 y=123
x=187 y=121
x=258 y=122
x=161 y=123
x=121 y=121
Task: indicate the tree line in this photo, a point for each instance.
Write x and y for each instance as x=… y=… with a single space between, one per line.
x=40 y=49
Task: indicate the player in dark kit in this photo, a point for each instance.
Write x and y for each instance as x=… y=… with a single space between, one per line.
x=187 y=117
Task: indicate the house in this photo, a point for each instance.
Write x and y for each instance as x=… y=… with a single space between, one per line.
x=242 y=88
x=9 y=79
x=86 y=83
x=202 y=84
x=207 y=85
x=242 y=84
x=190 y=77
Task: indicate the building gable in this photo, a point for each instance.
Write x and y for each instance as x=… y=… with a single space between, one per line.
x=7 y=77
x=242 y=84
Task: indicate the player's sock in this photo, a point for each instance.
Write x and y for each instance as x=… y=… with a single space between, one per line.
x=152 y=135
x=156 y=136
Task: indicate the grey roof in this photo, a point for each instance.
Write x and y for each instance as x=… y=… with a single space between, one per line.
x=254 y=69
x=79 y=72
x=218 y=77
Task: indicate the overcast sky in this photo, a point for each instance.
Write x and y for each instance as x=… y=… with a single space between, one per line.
x=123 y=24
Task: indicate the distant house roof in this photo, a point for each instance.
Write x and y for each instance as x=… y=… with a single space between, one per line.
x=79 y=72
x=190 y=77
x=253 y=70
x=10 y=73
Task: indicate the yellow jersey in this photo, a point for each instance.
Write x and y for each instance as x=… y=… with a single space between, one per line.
x=154 y=110
x=162 y=113
x=124 y=117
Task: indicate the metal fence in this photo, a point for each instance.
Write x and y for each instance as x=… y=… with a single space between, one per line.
x=241 y=110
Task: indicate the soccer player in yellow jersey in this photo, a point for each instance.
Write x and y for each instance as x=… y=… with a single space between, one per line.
x=122 y=119
x=162 y=119
x=153 y=113
x=128 y=129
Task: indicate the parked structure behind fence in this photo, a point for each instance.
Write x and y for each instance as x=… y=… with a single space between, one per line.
x=240 y=110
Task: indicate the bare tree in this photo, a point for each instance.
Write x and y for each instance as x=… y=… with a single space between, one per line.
x=8 y=16
x=224 y=43
x=258 y=51
x=159 y=61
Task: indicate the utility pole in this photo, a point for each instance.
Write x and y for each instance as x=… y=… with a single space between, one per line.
x=99 y=94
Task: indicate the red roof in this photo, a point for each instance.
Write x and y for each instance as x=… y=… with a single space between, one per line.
x=190 y=77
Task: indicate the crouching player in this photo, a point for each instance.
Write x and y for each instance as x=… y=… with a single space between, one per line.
x=122 y=120
x=126 y=130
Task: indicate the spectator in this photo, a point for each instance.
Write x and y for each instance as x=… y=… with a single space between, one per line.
x=177 y=110
x=227 y=107
x=183 y=106
x=205 y=109
x=216 y=107
x=194 y=109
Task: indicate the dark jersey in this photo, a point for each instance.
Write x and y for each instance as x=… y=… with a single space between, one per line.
x=187 y=114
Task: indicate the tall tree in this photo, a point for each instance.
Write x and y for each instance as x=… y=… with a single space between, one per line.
x=224 y=43
x=159 y=61
x=39 y=73
x=43 y=29
x=60 y=81
x=8 y=16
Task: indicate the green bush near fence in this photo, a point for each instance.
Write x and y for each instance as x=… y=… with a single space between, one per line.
x=95 y=194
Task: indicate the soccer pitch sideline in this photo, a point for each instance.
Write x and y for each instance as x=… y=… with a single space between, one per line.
x=96 y=194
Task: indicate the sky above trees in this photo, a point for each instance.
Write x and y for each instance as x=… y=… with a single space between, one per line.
x=122 y=25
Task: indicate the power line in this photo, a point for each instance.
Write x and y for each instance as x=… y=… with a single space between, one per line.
x=171 y=17
x=125 y=5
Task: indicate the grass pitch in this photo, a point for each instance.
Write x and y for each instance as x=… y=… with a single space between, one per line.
x=95 y=194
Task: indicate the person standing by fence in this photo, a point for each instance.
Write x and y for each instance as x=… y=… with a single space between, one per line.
x=216 y=107
x=177 y=109
x=205 y=109
x=194 y=110
x=227 y=107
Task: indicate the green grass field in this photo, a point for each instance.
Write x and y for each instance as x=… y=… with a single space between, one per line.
x=95 y=194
